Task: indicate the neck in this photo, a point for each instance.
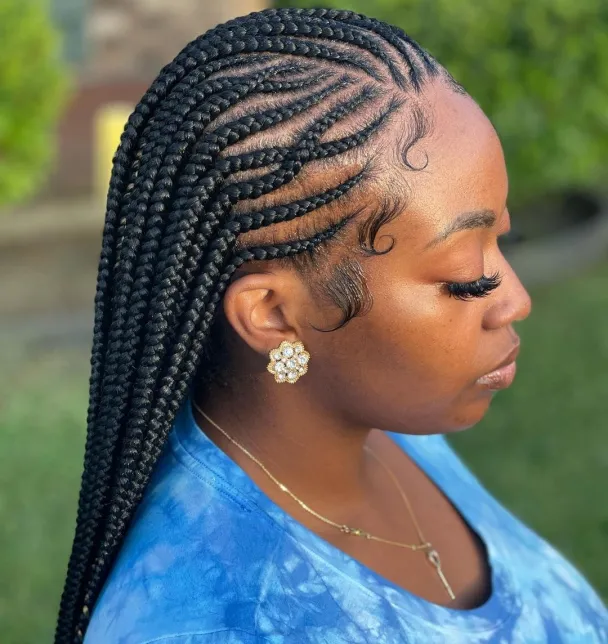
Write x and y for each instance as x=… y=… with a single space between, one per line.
x=318 y=454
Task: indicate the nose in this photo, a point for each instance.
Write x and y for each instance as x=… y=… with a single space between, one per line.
x=512 y=302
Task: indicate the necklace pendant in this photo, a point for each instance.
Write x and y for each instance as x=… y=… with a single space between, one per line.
x=357 y=532
x=433 y=557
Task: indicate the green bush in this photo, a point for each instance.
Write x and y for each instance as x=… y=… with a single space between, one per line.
x=32 y=89
x=539 y=69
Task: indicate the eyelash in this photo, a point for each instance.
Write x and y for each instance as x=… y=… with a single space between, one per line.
x=479 y=288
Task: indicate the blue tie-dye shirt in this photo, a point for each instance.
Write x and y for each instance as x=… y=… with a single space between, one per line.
x=210 y=559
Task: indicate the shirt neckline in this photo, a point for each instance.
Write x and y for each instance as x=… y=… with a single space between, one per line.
x=502 y=605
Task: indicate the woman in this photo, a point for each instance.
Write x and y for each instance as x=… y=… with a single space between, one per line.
x=300 y=291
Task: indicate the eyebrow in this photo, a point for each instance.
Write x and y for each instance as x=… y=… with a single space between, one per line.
x=465 y=221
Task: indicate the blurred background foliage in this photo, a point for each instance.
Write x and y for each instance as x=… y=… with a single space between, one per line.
x=33 y=89
x=539 y=69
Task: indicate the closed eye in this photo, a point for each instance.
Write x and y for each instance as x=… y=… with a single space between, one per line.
x=479 y=288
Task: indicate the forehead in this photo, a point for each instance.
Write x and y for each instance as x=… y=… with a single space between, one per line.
x=462 y=163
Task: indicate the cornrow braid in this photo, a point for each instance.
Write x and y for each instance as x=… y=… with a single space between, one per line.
x=268 y=156
x=239 y=119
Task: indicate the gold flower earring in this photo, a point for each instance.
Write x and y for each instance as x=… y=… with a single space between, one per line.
x=288 y=361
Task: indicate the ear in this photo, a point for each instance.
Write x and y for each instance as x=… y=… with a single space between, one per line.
x=263 y=308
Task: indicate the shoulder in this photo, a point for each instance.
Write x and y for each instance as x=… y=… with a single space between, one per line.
x=190 y=570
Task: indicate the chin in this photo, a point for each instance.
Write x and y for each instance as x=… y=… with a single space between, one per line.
x=459 y=428
x=469 y=416
x=461 y=415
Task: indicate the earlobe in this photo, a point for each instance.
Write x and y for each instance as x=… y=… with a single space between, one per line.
x=256 y=306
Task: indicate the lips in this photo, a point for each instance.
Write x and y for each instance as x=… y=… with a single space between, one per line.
x=511 y=357
x=503 y=374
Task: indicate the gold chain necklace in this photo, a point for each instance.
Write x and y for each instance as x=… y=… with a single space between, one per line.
x=431 y=554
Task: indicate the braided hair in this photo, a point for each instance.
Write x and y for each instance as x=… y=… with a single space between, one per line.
x=211 y=172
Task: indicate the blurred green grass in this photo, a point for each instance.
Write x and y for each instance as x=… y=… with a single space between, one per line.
x=42 y=416
x=542 y=449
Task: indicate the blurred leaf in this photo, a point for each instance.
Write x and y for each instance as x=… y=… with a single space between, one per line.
x=33 y=88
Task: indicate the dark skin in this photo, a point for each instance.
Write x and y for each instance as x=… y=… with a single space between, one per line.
x=409 y=365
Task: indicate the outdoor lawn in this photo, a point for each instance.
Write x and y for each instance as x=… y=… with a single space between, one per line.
x=543 y=450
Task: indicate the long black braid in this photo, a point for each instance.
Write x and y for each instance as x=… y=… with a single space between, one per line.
x=179 y=209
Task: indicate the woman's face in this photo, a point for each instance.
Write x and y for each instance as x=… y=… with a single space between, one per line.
x=411 y=364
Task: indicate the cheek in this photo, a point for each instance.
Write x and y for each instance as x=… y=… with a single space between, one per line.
x=427 y=336
x=408 y=365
